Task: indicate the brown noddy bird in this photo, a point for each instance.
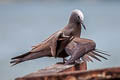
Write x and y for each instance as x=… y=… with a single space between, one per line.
x=56 y=43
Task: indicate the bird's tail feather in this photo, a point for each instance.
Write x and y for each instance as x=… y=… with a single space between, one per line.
x=29 y=56
x=21 y=56
x=18 y=59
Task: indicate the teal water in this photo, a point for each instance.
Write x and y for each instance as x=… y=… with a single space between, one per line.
x=24 y=24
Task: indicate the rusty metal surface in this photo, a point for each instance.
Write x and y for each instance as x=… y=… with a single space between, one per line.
x=99 y=74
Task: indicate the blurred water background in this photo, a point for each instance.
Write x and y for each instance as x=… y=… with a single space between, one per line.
x=24 y=23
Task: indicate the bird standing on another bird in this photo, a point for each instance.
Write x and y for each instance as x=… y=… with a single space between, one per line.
x=56 y=43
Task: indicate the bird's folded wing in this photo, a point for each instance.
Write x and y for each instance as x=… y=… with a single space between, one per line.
x=43 y=44
x=59 y=42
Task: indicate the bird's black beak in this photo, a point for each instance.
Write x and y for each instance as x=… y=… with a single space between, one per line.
x=83 y=25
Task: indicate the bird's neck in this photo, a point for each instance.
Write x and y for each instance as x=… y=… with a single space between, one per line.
x=76 y=29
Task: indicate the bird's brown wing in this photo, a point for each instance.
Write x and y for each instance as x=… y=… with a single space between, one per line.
x=83 y=49
x=43 y=44
x=45 y=41
x=77 y=54
x=59 y=42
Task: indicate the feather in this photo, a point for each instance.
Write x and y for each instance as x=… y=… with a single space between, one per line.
x=92 y=55
x=99 y=55
x=102 y=52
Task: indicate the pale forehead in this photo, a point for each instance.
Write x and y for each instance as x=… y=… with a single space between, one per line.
x=78 y=12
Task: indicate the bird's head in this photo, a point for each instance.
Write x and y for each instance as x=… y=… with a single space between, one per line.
x=77 y=17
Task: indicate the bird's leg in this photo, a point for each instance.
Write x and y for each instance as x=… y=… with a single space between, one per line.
x=64 y=60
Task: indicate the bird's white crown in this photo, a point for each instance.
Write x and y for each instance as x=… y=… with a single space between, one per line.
x=79 y=12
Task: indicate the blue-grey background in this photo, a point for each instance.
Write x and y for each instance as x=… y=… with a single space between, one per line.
x=24 y=23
